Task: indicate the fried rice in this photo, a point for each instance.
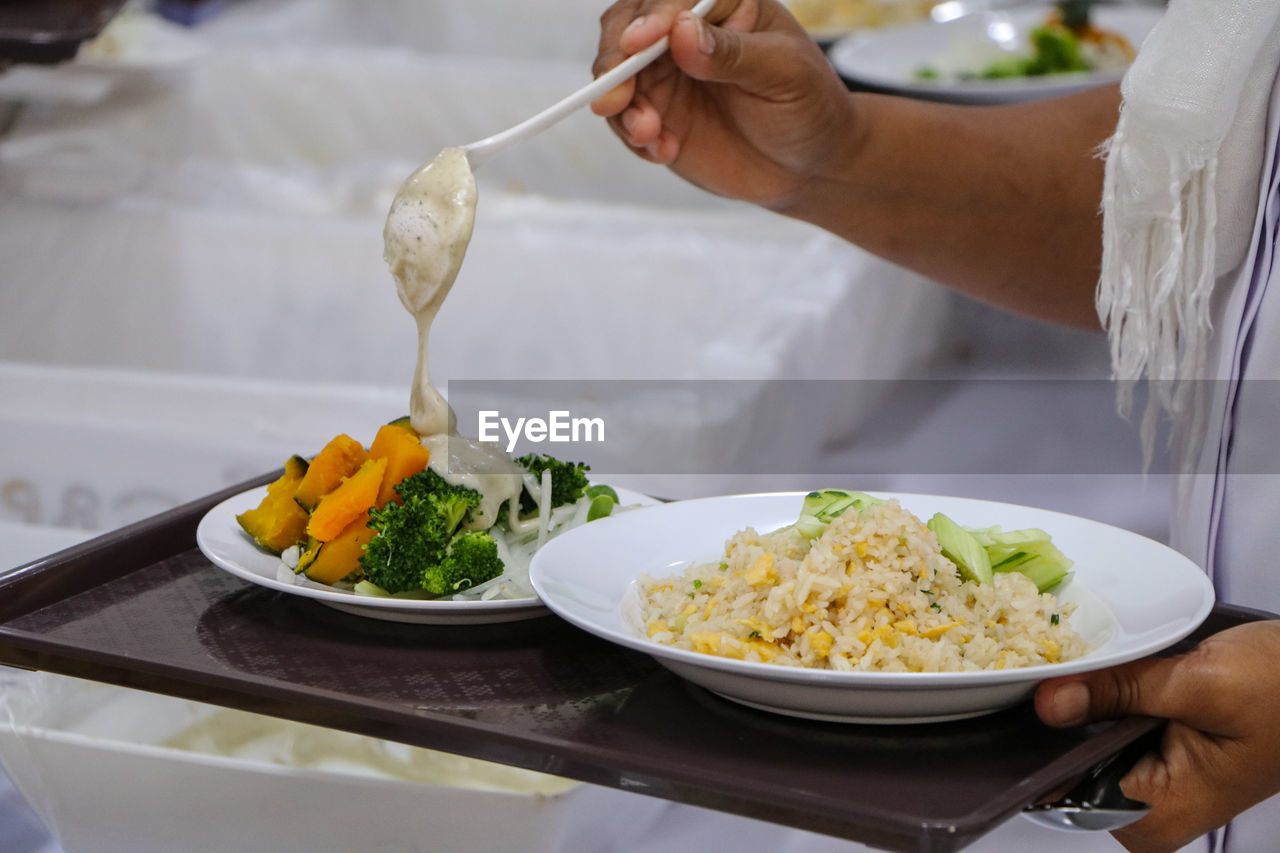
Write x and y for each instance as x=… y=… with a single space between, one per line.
x=874 y=592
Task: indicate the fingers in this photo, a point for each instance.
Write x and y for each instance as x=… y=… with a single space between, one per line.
x=616 y=99
x=765 y=62
x=626 y=28
x=640 y=125
x=1212 y=687
x=1220 y=752
x=1162 y=688
x=650 y=25
x=609 y=53
x=1151 y=687
x=662 y=148
x=1187 y=783
x=753 y=46
x=630 y=26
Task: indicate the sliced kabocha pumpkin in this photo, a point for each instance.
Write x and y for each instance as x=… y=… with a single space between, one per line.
x=330 y=562
x=278 y=522
x=341 y=457
x=399 y=451
x=352 y=498
x=308 y=551
x=405 y=455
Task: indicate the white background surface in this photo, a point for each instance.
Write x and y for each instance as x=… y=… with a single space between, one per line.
x=192 y=289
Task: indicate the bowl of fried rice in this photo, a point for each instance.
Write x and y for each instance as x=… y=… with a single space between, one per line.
x=866 y=617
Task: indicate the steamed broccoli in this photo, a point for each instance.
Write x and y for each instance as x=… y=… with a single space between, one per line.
x=1055 y=50
x=409 y=536
x=568 y=480
x=454 y=502
x=413 y=537
x=471 y=559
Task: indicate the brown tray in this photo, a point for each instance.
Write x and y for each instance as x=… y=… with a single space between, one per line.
x=49 y=31
x=142 y=607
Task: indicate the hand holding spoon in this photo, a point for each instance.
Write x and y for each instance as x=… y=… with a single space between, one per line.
x=481 y=150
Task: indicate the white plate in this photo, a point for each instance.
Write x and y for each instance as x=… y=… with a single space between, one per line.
x=221 y=539
x=1134 y=596
x=890 y=59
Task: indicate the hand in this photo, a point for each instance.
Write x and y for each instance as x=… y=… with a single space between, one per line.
x=744 y=104
x=1221 y=749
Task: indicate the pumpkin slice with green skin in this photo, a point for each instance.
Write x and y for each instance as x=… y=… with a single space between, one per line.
x=308 y=551
x=340 y=556
x=340 y=458
x=351 y=499
x=278 y=522
x=404 y=422
x=405 y=455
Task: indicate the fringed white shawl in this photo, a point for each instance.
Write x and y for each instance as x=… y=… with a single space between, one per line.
x=1181 y=189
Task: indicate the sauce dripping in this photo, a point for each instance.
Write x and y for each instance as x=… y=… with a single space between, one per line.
x=424 y=241
x=478 y=465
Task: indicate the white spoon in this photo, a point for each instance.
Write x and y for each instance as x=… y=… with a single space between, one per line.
x=482 y=149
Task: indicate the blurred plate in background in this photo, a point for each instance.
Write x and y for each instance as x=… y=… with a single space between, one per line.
x=958 y=50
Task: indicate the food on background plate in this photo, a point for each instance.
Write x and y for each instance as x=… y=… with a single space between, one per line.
x=391 y=520
x=1066 y=42
x=858 y=583
x=823 y=17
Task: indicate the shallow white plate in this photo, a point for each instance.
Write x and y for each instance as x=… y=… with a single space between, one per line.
x=1134 y=597
x=890 y=59
x=228 y=547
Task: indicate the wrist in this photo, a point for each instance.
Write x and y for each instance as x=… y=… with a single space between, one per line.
x=828 y=182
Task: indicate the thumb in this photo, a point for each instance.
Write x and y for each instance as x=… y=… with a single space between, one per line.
x=1152 y=687
x=757 y=62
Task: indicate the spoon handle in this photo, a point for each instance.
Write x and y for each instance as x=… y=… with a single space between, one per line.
x=483 y=149
x=1097 y=802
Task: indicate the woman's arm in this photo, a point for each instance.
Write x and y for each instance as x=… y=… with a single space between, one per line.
x=1001 y=203
x=998 y=202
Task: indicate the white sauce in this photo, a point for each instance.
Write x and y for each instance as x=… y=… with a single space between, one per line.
x=425 y=239
x=478 y=465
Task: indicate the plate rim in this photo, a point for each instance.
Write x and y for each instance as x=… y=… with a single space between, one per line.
x=220 y=518
x=883 y=680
